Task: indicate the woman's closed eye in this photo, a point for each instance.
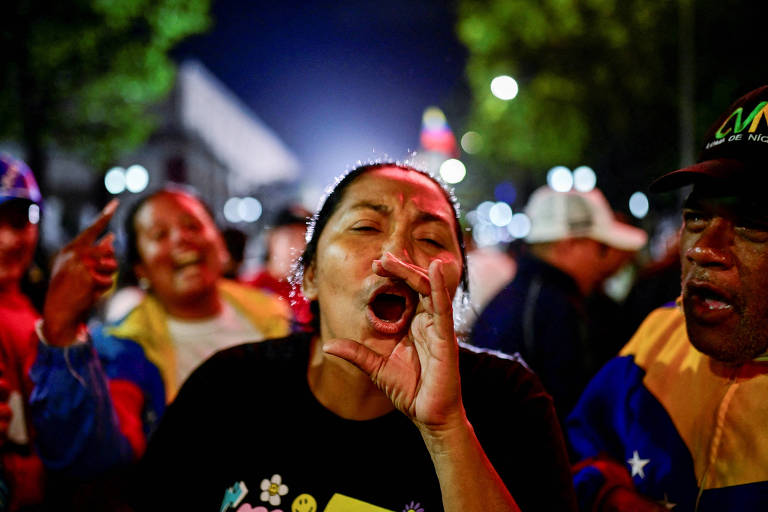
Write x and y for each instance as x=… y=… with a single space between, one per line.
x=363 y=227
x=432 y=241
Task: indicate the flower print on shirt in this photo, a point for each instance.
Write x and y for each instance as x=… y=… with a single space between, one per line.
x=272 y=490
x=413 y=507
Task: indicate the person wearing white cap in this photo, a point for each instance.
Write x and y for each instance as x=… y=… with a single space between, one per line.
x=574 y=244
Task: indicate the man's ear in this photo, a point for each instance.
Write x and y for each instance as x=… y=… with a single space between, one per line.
x=308 y=287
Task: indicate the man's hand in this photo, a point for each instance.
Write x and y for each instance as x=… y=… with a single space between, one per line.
x=82 y=271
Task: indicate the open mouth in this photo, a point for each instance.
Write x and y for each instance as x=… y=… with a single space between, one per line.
x=707 y=302
x=391 y=308
x=388 y=307
x=186 y=258
x=708 y=295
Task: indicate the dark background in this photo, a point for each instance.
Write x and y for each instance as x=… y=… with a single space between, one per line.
x=337 y=81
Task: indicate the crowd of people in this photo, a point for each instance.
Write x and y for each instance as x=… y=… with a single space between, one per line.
x=335 y=380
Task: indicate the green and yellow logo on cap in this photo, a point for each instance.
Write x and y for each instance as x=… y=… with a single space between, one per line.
x=758 y=113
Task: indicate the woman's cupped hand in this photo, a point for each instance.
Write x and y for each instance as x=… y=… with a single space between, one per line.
x=420 y=375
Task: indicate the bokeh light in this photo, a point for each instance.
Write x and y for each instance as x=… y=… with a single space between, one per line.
x=246 y=209
x=433 y=118
x=33 y=214
x=505 y=191
x=638 y=205
x=249 y=209
x=472 y=142
x=452 y=171
x=560 y=178
x=584 y=178
x=519 y=226
x=483 y=211
x=490 y=223
x=500 y=214
x=504 y=87
x=231 y=211
x=136 y=178
x=114 y=180
x=503 y=235
x=485 y=235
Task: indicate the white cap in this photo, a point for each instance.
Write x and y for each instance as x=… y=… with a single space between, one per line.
x=559 y=215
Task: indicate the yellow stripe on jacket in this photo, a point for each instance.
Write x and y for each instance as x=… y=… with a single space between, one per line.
x=720 y=410
x=146 y=325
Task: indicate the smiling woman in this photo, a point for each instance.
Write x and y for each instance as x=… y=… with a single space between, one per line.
x=178 y=251
x=378 y=408
x=100 y=392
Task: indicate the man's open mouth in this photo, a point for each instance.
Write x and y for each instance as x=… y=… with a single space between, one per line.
x=391 y=308
x=707 y=302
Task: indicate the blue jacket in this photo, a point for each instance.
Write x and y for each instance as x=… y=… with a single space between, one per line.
x=95 y=404
x=541 y=315
x=678 y=426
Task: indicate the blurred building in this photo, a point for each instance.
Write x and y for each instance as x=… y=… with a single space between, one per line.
x=207 y=138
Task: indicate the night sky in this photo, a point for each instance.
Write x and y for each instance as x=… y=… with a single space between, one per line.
x=337 y=81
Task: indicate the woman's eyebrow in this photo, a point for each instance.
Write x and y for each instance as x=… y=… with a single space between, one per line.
x=369 y=205
x=425 y=216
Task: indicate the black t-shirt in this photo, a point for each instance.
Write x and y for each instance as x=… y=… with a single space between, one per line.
x=246 y=432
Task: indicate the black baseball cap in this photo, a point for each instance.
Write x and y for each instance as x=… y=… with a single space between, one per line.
x=735 y=147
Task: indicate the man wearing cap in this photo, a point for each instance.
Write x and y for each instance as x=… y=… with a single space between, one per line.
x=19 y=214
x=575 y=243
x=678 y=419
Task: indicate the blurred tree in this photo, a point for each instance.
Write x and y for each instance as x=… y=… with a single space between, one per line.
x=82 y=74
x=605 y=83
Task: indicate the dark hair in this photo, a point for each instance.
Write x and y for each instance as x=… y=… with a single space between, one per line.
x=292 y=215
x=334 y=196
x=132 y=256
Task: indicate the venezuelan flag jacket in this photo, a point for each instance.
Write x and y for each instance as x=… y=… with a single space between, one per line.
x=685 y=430
x=95 y=404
